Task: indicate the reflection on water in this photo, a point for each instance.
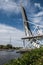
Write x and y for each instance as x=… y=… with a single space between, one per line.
x=5 y=56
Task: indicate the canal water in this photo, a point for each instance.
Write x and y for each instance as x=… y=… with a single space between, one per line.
x=6 y=56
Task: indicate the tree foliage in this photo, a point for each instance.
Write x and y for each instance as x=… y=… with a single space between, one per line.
x=33 y=57
x=8 y=46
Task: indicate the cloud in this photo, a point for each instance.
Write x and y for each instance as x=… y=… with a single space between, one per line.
x=40 y=7
x=7 y=33
x=39 y=13
x=37 y=5
x=9 y=6
x=37 y=19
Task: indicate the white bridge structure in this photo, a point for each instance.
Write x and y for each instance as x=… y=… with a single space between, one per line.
x=33 y=40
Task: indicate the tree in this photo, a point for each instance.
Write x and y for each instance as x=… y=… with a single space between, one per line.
x=1 y=46
x=9 y=46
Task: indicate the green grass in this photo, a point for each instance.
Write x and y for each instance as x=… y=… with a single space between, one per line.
x=33 y=57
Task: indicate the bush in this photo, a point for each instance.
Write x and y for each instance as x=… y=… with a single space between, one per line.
x=33 y=57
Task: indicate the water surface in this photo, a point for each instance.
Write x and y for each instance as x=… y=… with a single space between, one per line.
x=5 y=56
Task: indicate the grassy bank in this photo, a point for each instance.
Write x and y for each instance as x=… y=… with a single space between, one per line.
x=33 y=57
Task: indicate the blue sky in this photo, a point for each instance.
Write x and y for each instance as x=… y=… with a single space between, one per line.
x=11 y=23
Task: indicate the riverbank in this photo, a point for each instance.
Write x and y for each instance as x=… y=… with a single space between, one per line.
x=33 y=57
x=8 y=47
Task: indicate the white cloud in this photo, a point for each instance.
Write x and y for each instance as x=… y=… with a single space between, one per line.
x=37 y=5
x=39 y=13
x=7 y=33
x=37 y=19
x=9 y=6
